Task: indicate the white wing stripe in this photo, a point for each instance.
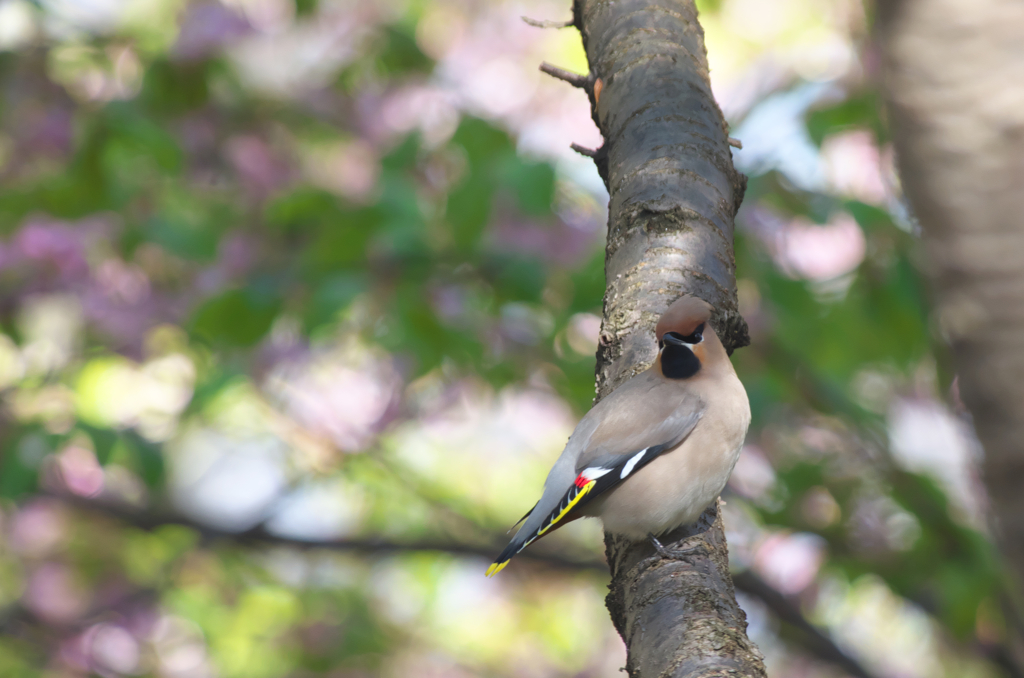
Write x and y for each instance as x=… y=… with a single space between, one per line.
x=628 y=468
x=594 y=472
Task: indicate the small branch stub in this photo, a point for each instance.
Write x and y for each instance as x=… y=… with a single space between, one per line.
x=545 y=23
x=583 y=150
x=735 y=143
x=574 y=79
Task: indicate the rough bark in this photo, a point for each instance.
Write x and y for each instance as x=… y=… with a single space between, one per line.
x=673 y=195
x=954 y=81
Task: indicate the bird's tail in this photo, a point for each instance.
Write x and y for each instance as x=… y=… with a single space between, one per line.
x=533 y=530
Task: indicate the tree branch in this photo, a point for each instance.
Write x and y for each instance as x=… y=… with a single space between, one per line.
x=809 y=637
x=673 y=196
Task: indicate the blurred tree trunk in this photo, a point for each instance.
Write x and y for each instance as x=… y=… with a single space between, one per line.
x=954 y=81
x=674 y=193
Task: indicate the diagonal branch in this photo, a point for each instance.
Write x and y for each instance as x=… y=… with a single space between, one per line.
x=813 y=640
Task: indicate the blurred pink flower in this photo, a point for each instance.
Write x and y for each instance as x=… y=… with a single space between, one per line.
x=80 y=472
x=344 y=398
x=349 y=169
x=554 y=241
x=50 y=133
x=74 y=654
x=753 y=475
x=449 y=302
x=206 y=27
x=54 y=595
x=926 y=437
x=879 y=526
x=790 y=562
x=180 y=648
x=802 y=249
x=236 y=254
x=197 y=133
x=125 y=325
x=854 y=166
x=260 y=169
x=120 y=302
x=56 y=243
x=38 y=528
x=122 y=282
x=821 y=253
x=112 y=649
x=584 y=333
x=426 y=108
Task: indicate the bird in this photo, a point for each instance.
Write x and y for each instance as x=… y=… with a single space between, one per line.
x=653 y=454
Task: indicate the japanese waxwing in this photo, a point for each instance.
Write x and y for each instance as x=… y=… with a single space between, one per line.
x=657 y=451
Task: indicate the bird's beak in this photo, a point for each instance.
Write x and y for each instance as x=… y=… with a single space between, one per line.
x=675 y=340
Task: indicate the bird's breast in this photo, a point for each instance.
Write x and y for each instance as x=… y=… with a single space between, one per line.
x=675 y=488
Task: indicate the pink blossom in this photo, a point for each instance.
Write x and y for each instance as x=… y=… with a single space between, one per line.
x=55 y=243
x=554 y=241
x=790 y=562
x=38 y=528
x=208 y=26
x=53 y=594
x=260 y=170
x=80 y=471
x=346 y=399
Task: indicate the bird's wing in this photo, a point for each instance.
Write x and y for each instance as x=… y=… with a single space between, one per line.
x=606 y=448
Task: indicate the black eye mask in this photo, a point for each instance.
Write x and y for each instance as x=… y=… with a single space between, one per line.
x=677 y=360
x=677 y=339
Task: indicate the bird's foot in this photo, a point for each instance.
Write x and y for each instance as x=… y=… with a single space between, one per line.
x=676 y=554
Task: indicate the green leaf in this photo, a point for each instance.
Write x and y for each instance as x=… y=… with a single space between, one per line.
x=519 y=279
x=588 y=285
x=402 y=157
x=147 y=458
x=20 y=463
x=237 y=317
x=469 y=208
x=306 y=7
x=402 y=231
x=861 y=111
x=332 y=296
x=187 y=240
x=534 y=184
x=342 y=243
x=143 y=135
x=303 y=209
x=400 y=55
x=103 y=441
x=173 y=88
x=484 y=143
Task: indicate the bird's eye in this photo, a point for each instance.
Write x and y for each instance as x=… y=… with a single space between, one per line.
x=696 y=337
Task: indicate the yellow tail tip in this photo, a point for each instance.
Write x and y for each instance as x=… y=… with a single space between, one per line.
x=495 y=568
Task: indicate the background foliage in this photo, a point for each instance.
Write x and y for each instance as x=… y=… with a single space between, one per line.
x=299 y=300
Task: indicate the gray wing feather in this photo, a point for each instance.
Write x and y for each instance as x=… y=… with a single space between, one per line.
x=611 y=433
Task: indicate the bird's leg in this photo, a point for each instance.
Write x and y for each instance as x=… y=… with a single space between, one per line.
x=672 y=555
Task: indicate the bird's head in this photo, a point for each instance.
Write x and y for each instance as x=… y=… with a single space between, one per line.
x=684 y=336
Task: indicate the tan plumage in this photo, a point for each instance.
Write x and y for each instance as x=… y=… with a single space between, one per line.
x=652 y=455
